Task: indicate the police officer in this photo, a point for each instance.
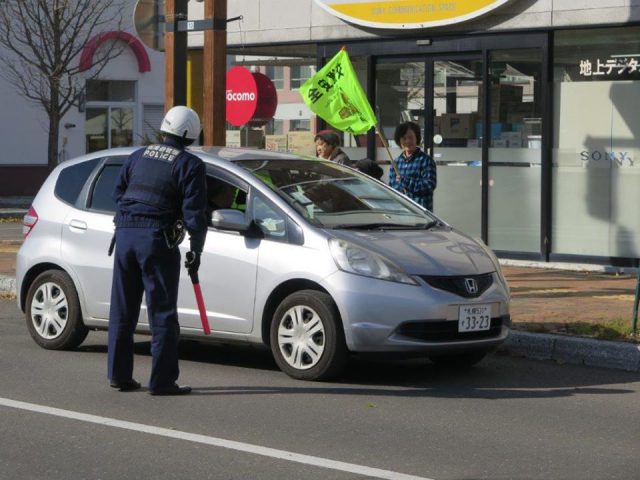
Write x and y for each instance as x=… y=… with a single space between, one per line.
x=158 y=186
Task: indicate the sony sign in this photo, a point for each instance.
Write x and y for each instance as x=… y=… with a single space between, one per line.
x=606 y=158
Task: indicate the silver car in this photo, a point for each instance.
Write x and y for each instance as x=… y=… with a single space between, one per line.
x=312 y=259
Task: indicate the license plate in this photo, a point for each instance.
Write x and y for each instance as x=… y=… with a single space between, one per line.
x=474 y=318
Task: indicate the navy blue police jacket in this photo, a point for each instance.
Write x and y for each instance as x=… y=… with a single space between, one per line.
x=160 y=184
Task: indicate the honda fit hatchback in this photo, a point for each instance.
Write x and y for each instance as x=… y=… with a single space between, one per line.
x=312 y=259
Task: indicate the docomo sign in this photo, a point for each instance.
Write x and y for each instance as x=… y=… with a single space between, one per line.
x=408 y=13
x=251 y=97
x=241 y=96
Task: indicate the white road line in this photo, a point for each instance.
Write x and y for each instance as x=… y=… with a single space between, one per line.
x=214 y=441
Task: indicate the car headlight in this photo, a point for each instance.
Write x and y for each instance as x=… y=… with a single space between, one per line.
x=353 y=259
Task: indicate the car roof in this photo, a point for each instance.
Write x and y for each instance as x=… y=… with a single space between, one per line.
x=207 y=154
x=236 y=153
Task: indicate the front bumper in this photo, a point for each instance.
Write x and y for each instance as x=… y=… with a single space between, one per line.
x=381 y=316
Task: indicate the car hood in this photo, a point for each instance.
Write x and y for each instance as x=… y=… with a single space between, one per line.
x=440 y=251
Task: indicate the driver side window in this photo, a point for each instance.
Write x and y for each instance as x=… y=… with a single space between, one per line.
x=224 y=195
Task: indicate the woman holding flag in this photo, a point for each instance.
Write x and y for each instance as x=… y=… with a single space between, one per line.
x=415 y=172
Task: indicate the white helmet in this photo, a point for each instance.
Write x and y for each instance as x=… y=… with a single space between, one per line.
x=182 y=122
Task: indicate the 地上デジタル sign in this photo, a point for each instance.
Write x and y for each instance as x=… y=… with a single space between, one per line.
x=408 y=13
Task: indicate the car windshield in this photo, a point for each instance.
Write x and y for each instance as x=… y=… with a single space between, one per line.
x=332 y=196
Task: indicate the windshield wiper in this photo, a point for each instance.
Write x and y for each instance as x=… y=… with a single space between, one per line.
x=375 y=226
x=430 y=225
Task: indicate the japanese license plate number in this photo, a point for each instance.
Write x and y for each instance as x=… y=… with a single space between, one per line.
x=474 y=318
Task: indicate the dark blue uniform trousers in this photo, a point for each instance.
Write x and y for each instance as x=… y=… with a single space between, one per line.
x=144 y=263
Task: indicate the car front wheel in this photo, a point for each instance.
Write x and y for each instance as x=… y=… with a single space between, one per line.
x=53 y=312
x=307 y=340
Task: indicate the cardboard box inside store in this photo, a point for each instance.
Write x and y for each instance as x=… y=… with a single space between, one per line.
x=301 y=143
x=245 y=138
x=275 y=143
x=458 y=125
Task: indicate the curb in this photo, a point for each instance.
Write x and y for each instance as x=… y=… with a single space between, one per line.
x=536 y=346
x=12 y=213
x=574 y=350
x=574 y=267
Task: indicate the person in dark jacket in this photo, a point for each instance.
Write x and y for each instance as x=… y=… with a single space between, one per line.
x=370 y=167
x=220 y=194
x=328 y=147
x=159 y=188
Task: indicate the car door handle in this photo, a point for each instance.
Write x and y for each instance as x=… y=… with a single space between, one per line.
x=79 y=224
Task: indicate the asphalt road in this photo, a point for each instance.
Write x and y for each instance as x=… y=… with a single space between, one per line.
x=508 y=418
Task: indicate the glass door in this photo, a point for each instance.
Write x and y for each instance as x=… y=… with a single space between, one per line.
x=455 y=142
x=446 y=95
x=400 y=97
x=515 y=151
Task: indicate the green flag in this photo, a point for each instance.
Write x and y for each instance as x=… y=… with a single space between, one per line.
x=335 y=95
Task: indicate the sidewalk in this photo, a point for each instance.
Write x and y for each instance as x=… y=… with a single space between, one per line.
x=550 y=308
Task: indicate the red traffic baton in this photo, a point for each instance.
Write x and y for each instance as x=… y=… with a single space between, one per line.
x=198 y=292
x=203 y=311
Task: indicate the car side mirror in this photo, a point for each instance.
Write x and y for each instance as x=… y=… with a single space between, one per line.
x=235 y=221
x=228 y=219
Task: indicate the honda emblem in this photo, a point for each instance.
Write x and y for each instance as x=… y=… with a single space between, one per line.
x=471 y=285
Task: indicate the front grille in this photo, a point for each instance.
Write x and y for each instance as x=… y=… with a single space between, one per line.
x=459 y=284
x=447 y=330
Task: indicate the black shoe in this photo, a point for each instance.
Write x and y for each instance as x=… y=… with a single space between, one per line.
x=174 y=390
x=128 y=386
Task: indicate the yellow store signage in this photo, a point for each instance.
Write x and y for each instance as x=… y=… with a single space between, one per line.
x=408 y=13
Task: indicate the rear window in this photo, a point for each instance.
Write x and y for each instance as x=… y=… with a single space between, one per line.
x=102 y=195
x=72 y=179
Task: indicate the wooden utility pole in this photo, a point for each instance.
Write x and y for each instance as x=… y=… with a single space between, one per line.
x=175 y=77
x=215 y=72
x=214 y=56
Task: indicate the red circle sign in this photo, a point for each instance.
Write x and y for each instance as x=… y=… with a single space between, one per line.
x=267 y=100
x=242 y=96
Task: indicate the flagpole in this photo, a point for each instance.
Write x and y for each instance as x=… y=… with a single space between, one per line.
x=386 y=146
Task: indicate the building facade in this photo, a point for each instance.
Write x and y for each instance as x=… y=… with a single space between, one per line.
x=529 y=107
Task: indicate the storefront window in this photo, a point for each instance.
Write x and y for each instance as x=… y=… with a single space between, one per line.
x=108 y=127
x=276 y=74
x=111 y=91
x=596 y=158
x=274 y=127
x=292 y=126
x=457 y=150
x=400 y=97
x=300 y=74
x=110 y=114
x=515 y=150
x=300 y=126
